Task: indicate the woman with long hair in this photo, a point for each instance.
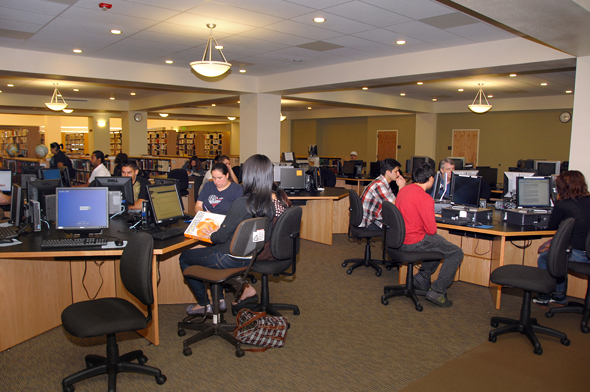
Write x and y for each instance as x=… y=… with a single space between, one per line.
x=573 y=201
x=257 y=201
x=60 y=159
x=193 y=167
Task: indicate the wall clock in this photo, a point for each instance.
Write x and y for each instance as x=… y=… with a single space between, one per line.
x=138 y=117
x=565 y=117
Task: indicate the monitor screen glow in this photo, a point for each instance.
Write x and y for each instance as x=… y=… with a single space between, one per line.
x=82 y=209
x=165 y=204
x=5 y=180
x=533 y=192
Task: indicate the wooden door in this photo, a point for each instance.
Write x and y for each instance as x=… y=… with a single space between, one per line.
x=386 y=145
x=466 y=144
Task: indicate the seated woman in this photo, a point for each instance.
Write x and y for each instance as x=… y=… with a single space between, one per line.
x=193 y=167
x=256 y=202
x=119 y=159
x=218 y=195
x=573 y=201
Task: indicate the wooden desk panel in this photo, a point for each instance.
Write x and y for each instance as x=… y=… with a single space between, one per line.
x=99 y=281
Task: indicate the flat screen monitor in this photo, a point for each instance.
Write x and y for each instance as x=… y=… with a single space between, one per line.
x=433 y=191
x=164 y=181
x=292 y=178
x=466 y=190
x=533 y=192
x=416 y=160
x=25 y=179
x=348 y=168
x=489 y=175
x=547 y=168
x=5 y=180
x=510 y=182
x=82 y=211
x=165 y=204
x=50 y=174
x=375 y=169
x=31 y=169
x=121 y=184
x=65 y=176
x=16 y=206
x=288 y=157
x=459 y=162
x=37 y=189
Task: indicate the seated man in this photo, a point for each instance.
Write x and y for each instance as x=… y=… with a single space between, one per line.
x=446 y=168
x=417 y=209
x=129 y=168
x=97 y=161
x=378 y=191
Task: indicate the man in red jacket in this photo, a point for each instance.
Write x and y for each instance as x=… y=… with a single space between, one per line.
x=417 y=209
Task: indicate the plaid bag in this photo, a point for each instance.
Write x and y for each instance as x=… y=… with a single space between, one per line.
x=258 y=329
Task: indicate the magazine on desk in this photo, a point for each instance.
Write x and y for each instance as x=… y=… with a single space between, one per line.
x=203 y=220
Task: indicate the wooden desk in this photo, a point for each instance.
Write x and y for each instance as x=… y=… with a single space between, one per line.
x=324 y=213
x=37 y=285
x=358 y=185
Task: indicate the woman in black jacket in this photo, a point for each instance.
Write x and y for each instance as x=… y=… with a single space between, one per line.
x=60 y=159
x=257 y=201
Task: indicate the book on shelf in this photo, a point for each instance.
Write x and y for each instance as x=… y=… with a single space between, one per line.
x=203 y=224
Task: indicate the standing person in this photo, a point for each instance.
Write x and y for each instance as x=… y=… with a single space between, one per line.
x=129 y=168
x=100 y=170
x=218 y=195
x=417 y=209
x=60 y=159
x=193 y=167
x=379 y=191
x=225 y=160
x=256 y=202
x=573 y=201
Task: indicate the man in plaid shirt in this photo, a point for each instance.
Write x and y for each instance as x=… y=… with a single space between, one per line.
x=378 y=191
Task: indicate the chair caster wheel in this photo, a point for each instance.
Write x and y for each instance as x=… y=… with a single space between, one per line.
x=493 y=339
x=89 y=365
x=296 y=312
x=388 y=268
x=419 y=308
x=69 y=388
x=378 y=273
x=549 y=315
x=494 y=324
x=240 y=353
x=181 y=332
x=565 y=342
x=384 y=301
x=539 y=351
x=142 y=360
x=349 y=272
x=344 y=264
x=187 y=351
x=161 y=379
x=585 y=329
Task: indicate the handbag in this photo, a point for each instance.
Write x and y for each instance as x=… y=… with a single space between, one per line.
x=258 y=329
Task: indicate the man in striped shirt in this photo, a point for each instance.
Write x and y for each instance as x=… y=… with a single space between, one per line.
x=378 y=191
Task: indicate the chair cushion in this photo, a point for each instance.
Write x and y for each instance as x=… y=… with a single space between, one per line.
x=211 y=274
x=270 y=267
x=580 y=268
x=102 y=317
x=524 y=277
x=362 y=232
x=412 y=257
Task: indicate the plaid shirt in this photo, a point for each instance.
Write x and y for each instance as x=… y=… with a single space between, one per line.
x=372 y=198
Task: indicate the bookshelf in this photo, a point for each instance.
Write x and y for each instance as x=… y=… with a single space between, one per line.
x=158 y=142
x=75 y=143
x=24 y=139
x=84 y=167
x=115 y=142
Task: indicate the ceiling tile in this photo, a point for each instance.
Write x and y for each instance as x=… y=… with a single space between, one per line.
x=278 y=8
x=296 y=28
x=333 y=23
x=275 y=36
x=236 y=15
x=415 y=9
x=367 y=13
x=449 y=20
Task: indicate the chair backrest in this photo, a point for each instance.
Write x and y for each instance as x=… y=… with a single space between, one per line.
x=588 y=245
x=395 y=226
x=182 y=178
x=249 y=237
x=328 y=177
x=356 y=208
x=557 y=259
x=286 y=225
x=197 y=185
x=238 y=172
x=136 y=267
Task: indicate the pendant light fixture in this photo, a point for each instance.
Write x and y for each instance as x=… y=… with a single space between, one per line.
x=206 y=66
x=479 y=107
x=57 y=101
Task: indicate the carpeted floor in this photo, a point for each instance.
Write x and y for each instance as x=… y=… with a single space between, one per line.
x=343 y=340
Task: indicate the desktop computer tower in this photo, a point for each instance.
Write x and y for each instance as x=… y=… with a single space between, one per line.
x=114 y=202
x=525 y=217
x=50 y=208
x=470 y=214
x=35 y=215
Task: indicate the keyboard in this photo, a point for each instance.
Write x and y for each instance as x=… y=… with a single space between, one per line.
x=8 y=232
x=167 y=234
x=73 y=242
x=450 y=221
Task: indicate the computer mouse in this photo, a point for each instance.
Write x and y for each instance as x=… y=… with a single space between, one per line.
x=119 y=242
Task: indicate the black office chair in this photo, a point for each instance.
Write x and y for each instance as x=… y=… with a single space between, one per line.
x=242 y=245
x=393 y=238
x=109 y=316
x=181 y=178
x=238 y=172
x=198 y=181
x=355 y=219
x=284 y=233
x=328 y=177
x=533 y=279
x=576 y=307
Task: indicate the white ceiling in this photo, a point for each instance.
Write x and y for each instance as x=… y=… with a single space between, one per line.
x=267 y=37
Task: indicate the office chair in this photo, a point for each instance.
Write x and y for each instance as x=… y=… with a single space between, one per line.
x=238 y=172
x=355 y=219
x=109 y=316
x=181 y=182
x=242 y=244
x=285 y=231
x=328 y=177
x=533 y=279
x=198 y=181
x=393 y=239
x=576 y=307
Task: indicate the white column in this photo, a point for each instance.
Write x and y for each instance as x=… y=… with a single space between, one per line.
x=425 y=135
x=99 y=137
x=580 y=142
x=260 y=126
x=134 y=133
x=52 y=130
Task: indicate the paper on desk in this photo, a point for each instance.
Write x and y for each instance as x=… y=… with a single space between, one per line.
x=14 y=242
x=111 y=245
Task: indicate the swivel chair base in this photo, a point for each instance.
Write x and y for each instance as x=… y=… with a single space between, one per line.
x=526 y=326
x=265 y=306
x=574 y=307
x=366 y=262
x=112 y=365
x=408 y=290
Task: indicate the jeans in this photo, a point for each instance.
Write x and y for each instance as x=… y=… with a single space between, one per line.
x=577 y=255
x=452 y=260
x=210 y=258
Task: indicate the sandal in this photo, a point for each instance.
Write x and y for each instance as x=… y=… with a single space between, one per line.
x=240 y=303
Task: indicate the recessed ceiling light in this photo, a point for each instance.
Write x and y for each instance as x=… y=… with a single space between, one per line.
x=434 y=99
x=309 y=108
x=400 y=42
x=566 y=91
x=169 y=62
x=115 y=31
x=10 y=85
x=420 y=83
x=490 y=96
x=213 y=104
x=231 y=118
x=319 y=19
x=218 y=47
x=238 y=101
x=77 y=50
x=131 y=93
x=76 y=89
x=365 y=88
x=112 y=98
x=163 y=114
x=242 y=71
x=0 y=91
x=512 y=75
x=544 y=84
x=461 y=90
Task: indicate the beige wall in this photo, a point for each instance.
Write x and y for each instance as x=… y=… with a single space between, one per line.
x=304 y=133
x=337 y=137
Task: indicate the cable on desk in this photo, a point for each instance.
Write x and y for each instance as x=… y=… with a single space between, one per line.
x=527 y=243
x=99 y=264
x=475 y=249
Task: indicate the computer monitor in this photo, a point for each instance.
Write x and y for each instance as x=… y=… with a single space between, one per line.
x=25 y=179
x=465 y=190
x=82 y=211
x=292 y=178
x=510 y=182
x=435 y=186
x=489 y=175
x=416 y=160
x=165 y=204
x=31 y=169
x=37 y=189
x=547 y=168
x=5 y=180
x=459 y=162
x=288 y=157
x=375 y=169
x=165 y=181
x=50 y=174
x=471 y=173
x=16 y=206
x=348 y=168
x=65 y=176
x=533 y=192
x=121 y=184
